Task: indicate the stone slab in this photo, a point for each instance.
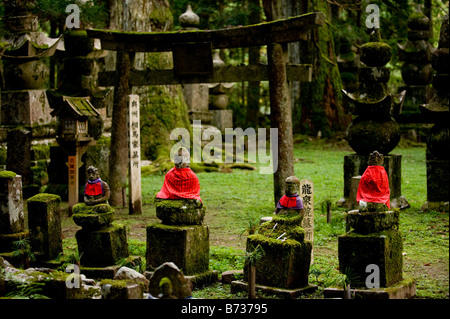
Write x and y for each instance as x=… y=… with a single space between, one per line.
x=403 y=290
x=240 y=285
x=185 y=246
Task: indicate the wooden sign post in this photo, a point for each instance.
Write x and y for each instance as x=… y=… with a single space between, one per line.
x=134 y=175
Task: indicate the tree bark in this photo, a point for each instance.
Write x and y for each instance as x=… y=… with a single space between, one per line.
x=119 y=143
x=280 y=104
x=320 y=107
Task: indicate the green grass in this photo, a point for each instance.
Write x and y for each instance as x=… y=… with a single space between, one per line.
x=235 y=200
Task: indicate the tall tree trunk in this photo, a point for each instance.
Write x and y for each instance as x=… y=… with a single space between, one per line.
x=320 y=105
x=119 y=143
x=280 y=103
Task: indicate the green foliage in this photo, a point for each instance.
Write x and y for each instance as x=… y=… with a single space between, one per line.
x=226 y=258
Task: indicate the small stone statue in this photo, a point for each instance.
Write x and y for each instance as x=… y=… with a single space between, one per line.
x=291 y=200
x=180 y=182
x=374 y=185
x=96 y=191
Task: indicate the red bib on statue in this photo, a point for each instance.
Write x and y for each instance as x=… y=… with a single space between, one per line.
x=93 y=189
x=180 y=183
x=288 y=202
x=374 y=186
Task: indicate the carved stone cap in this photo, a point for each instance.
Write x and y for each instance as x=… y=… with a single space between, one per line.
x=189 y=19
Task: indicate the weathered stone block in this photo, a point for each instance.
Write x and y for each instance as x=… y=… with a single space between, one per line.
x=102 y=247
x=186 y=246
x=25 y=108
x=355 y=165
x=44 y=223
x=373 y=222
x=438 y=179
x=121 y=289
x=180 y=211
x=384 y=249
x=222 y=119
x=284 y=264
x=94 y=217
x=11 y=203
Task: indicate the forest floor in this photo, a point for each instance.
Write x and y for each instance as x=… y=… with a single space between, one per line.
x=237 y=199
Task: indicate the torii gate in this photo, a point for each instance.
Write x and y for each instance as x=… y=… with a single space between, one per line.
x=192 y=58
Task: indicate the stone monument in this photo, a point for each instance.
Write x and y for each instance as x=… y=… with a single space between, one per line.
x=437 y=111
x=374 y=128
x=101 y=241
x=24 y=107
x=12 y=220
x=181 y=238
x=370 y=255
x=416 y=69
x=283 y=267
x=44 y=224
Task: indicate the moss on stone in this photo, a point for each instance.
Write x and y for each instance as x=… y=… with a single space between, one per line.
x=7 y=175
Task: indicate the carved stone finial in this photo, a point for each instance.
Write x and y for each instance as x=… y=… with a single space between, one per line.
x=189 y=19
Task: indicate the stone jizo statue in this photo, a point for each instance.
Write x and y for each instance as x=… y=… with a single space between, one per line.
x=96 y=191
x=180 y=182
x=374 y=184
x=291 y=200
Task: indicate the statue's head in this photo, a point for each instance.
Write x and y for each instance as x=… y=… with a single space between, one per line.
x=375 y=159
x=92 y=173
x=292 y=185
x=182 y=158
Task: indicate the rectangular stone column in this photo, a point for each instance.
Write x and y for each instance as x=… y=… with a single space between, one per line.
x=44 y=223
x=134 y=171
x=12 y=222
x=382 y=249
x=185 y=246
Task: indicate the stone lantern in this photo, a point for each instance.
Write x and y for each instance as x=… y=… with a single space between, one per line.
x=73 y=114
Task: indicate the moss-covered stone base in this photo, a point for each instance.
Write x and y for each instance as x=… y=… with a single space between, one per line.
x=180 y=211
x=404 y=289
x=284 y=264
x=384 y=249
x=93 y=217
x=240 y=285
x=372 y=222
x=185 y=246
x=102 y=247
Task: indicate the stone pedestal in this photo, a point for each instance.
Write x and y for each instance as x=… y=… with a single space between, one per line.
x=185 y=246
x=102 y=247
x=355 y=165
x=285 y=264
x=101 y=242
x=384 y=249
x=44 y=223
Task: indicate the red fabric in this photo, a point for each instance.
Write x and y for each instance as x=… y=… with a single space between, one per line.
x=93 y=189
x=180 y=183
x=374 y=186
x=288 y=201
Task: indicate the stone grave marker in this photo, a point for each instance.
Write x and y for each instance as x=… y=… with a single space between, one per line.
x=307 y=195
